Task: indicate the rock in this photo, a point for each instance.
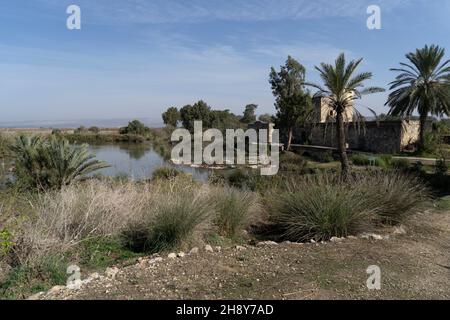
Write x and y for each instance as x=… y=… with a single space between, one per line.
x=371 y=236
x=172 y=255
x=36 y=296
x=94 y=276
x=56 y=289
x=181 y=254
x=336 y=239
x=266 y=244
x=218 y=249
x=398 y=230
x=193 y=251
x=112 y=272
x=313 y=241
x=75 y=285
x=352 y=238
x=155 y=260
x=240 y=248
x=208 y=248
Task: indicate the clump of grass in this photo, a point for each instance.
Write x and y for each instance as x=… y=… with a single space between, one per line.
x=319 y=208
x=234 y=210
x=396 y=194
x=173 y=220
x=24 y=280
x=322 y=206
x=167 y=173
x=400 y=164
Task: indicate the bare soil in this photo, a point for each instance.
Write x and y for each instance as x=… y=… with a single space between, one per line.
x=415 y=265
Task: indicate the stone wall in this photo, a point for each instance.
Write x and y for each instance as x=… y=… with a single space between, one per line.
x=388 y=137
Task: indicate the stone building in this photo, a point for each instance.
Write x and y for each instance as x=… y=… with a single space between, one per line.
x=389 y=137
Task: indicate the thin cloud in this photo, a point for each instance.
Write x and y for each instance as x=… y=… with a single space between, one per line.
x=194 y=11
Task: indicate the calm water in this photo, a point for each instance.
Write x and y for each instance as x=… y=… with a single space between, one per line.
x=137 y=161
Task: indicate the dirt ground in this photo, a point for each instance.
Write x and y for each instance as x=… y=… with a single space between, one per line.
x=415 y=265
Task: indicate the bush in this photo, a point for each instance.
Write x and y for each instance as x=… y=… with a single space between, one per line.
x=397 y=195
x=441 y=167
x=360 y=160
x=319 y=208
x=322 y=206
x=94 y=130
x=42 y=164
x=172 y=221
x=364 y=161
x=234 y=209
x=135 y=127
x=400 y=164
x=167 y=173
x=322 y=156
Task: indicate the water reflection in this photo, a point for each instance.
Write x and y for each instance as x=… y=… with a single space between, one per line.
x=137 y=161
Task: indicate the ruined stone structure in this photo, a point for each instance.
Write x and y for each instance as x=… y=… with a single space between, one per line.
x=389 y=137
x=373 y=136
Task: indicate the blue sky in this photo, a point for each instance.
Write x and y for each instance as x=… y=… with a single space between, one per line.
x=135 y=58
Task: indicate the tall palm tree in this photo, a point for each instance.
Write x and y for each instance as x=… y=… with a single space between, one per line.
x=423 y=86
x=342 y=86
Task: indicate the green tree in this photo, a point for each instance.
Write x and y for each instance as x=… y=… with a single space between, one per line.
x=135 y=127
x=249 y=113
x=293 y=101
x=423 y=85
x=54 y=163
x=171 y=117
x=200 y=111
x=342 y=86
x=224 y=119
x=266 y=117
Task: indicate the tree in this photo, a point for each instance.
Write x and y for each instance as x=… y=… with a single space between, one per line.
x=249 y=114
x=135 y=127
x=423 y=86
x=293 y=102
x=266 y=117
x=341 y=86
x=171 y=117
x=200 y=111
x=53 y=163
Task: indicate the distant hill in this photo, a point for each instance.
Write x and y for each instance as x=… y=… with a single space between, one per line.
x=101 y=123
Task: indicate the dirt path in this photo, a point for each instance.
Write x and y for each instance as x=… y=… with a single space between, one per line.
x=415 y=265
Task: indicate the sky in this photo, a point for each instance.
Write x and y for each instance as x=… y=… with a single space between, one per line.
x=135 y=58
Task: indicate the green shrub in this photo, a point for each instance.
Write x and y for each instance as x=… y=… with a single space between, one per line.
x=53 y=163
x=360 y=160
x=234 y=209
x=167 y=173
x=400 y=164
x=441 y=167
x=102 y=252
x=6 y=242
x=322 y=206
x=319 y=208
x=397 y=195
x=24 y=280
x=172 y=221
x=94 y=130
x=322 y=156
x=135 y=127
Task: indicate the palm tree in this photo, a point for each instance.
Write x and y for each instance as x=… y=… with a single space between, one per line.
x=422 y=85
x=51 y=164
x=341 y=86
